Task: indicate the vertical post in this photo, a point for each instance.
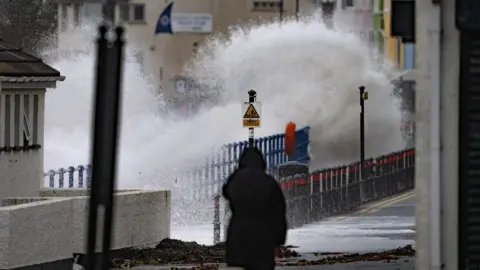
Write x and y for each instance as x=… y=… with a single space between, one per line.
x=216 y=219
x=226 y=219
x=297 y=9
x=252 y=96
x=281 y=10
x=106 y=126
x=362 y=143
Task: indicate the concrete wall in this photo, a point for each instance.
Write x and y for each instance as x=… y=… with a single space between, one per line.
x=52 y=227
x=21 y=173
x=437 y=180
x=21 y=170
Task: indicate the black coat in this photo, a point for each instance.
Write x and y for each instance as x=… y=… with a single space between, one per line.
x=258 y=224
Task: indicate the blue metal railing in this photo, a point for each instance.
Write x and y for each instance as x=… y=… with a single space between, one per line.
x=208 y=177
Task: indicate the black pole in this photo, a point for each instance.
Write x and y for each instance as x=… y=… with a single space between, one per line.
x=115 y=85
x=281 y=10
x=252 y=96
x=362 y=139
x=106 y=125
x=297 y=9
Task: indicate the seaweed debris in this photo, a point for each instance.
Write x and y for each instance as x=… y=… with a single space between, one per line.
x=173 y=252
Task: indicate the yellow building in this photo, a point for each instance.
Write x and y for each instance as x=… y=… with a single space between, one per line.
x=393 y=46
x=399 y=53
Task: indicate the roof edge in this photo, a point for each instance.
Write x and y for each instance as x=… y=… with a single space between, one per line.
x=30 y=79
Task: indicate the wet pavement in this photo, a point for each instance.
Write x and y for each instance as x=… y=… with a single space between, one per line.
x=376 y=227
x=402 y=264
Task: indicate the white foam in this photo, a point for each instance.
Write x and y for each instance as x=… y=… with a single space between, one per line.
x=302 y=71
x=355 y=234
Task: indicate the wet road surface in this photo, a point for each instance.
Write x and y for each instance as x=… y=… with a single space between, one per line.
x=379 y=226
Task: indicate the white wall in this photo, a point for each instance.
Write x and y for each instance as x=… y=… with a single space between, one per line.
x=21 y=170
x=53 y=229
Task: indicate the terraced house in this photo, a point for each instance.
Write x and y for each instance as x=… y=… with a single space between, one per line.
x=163 y=55
x=394 y=35
x=399 y=50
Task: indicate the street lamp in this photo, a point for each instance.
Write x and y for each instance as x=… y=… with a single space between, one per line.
x=281 y=10
x=363 y=97
x=297 y=9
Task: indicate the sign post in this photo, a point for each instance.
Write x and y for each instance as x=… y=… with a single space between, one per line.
x=363 y=97
x=251 y=116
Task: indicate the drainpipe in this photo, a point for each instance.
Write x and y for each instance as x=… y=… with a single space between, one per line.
x=434 y=35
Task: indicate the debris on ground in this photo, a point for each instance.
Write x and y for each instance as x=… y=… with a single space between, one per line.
x=173 y=252
x=387 y=256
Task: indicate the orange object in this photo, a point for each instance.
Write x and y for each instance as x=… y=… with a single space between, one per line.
x=290 y=139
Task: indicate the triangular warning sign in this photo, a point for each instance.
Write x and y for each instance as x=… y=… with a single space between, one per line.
x=251 y=112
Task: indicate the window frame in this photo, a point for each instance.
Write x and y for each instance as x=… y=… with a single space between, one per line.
x=133 y=10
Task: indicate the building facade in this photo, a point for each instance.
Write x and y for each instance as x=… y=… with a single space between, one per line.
x=401 y=54
x=357 y=14
x=164 y=55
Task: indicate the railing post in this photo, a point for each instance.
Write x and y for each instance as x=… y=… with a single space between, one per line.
x=216 y=219
x=328 y=192
x=323 y=189
x=344 y=187
x=315 y=192
x=226 y=219
x=51 y=178
x=81 y=169
x=71 y=172
x=61 y=177
x=89 y=175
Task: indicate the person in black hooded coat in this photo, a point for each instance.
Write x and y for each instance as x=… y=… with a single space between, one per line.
x=258 y=224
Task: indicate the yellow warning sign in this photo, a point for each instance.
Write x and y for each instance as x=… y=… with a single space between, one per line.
x=251 y=123
x=251 y=113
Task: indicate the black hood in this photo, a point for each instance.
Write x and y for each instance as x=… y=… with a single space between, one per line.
x=252 y=158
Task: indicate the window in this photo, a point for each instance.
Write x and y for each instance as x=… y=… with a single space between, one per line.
x=138 y=12
x=19 y=125
x=267 y=6
x=348 y=3
x=131 y=12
